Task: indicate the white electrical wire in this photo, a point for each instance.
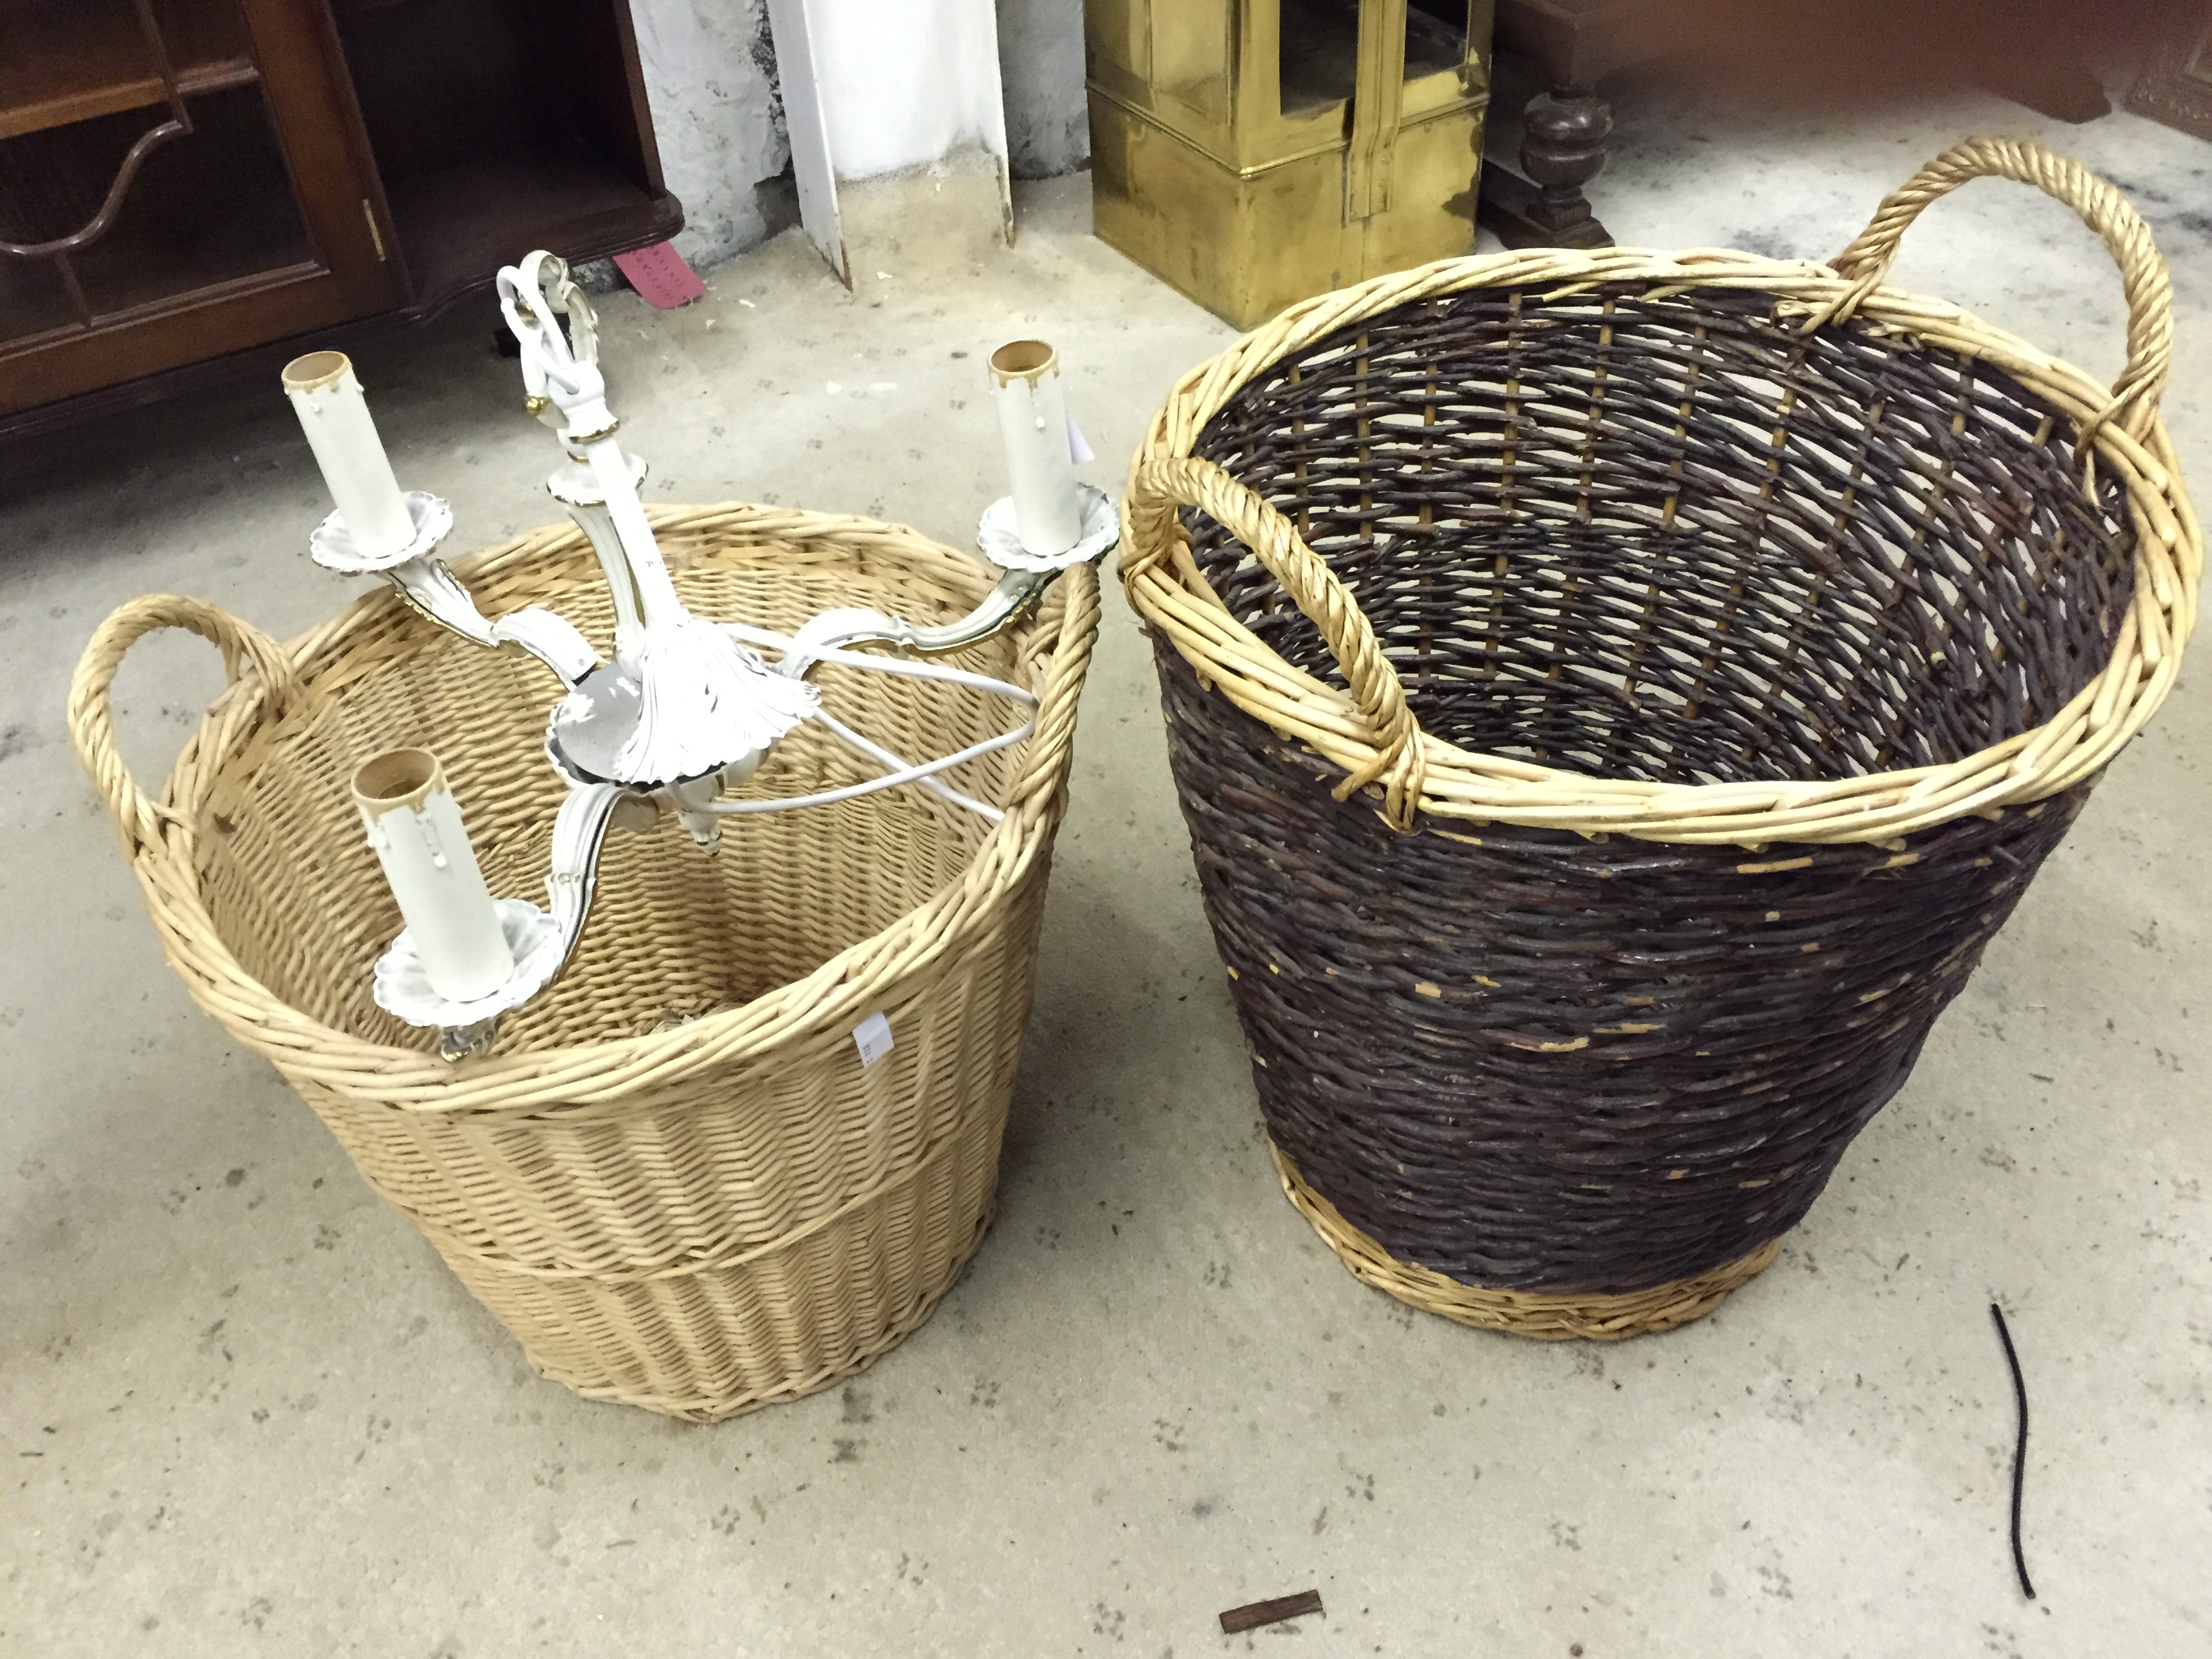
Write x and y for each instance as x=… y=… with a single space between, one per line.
x=922 y=775
x=901 y=772
x=935 y=785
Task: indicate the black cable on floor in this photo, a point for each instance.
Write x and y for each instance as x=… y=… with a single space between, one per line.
x=2020 y=1451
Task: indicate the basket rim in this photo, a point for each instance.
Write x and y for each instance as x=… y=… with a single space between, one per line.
x=1166 y=589
x=581 y=1075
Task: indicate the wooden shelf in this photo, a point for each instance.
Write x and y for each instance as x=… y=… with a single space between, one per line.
x=353 y=166
x=459 y=225
x=61 y=64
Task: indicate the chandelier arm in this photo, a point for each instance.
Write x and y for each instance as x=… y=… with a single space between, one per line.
x=912 y=775
x=578 y=829
x=656 y=589
x=1010 y=599
x=575 y=488
x=553 y=640
x=430 y=588
x=599 y=528
x=540 y=942
x=900 y=666
x=551 y=367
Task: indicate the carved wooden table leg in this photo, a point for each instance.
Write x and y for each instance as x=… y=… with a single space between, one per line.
x=1562 y=149
x=1565 y=48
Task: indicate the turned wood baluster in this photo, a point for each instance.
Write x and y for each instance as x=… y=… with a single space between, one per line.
x=1562 y=148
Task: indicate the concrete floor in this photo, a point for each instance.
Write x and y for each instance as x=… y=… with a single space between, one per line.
x=247 y=1411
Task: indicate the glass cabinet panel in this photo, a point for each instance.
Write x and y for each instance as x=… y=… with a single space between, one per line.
x=1321 y=50
x=139 y=167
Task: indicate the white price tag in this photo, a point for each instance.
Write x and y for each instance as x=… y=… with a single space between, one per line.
x=872 y=1037
x=1078 y=450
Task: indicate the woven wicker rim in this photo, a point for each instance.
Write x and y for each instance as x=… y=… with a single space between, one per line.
x=1373 y=735
x=159 y=836
x=1547 y=1316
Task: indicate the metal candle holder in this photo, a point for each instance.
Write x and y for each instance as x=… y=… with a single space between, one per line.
x=687 y=706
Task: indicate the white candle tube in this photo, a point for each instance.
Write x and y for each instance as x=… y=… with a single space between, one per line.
x=328 y=400
x=1033 y=420
x=415 y=826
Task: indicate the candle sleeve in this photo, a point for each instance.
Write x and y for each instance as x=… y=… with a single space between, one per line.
x=1033 y=420
x=414 y=827
x=328 y=400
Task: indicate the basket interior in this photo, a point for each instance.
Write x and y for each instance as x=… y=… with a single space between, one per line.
x=674 y=931
x=1673 y=540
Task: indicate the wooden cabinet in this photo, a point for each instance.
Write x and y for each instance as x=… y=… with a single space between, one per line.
x=193 y=188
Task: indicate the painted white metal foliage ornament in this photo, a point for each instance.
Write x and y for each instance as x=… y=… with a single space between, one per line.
x=689 y=705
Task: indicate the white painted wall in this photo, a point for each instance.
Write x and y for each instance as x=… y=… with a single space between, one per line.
x=904 y=81
x=710 y=78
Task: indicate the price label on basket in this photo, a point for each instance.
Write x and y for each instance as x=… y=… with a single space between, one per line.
x=872 y=1037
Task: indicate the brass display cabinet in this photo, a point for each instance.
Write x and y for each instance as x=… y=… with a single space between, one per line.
x=1253 y=152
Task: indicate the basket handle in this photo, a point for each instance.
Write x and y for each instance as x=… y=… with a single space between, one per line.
x=1045 y=766
x=2144 y=275
x=91 y=708
x=1158 y=488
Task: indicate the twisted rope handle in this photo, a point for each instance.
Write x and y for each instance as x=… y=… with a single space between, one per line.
x=1044 y=766
x=91 y=709
x=1159 y=488
x=2144 y=275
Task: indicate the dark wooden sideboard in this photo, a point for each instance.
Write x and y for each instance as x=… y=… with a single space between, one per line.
x=1836 y=55
x=190 y=190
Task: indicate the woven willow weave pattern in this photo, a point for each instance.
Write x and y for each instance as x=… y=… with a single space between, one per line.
x=1532 y=1314
x=672 y=1179
x=1535 y=1063
x=1789 y=424
x=1615 y=698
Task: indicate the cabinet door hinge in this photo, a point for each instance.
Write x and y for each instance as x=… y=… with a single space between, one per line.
x=375 y=232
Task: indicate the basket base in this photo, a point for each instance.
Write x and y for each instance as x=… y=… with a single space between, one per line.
x=1588 y=1316
x=719 y=1408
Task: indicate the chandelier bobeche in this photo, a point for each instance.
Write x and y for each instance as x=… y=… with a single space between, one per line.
x=688 y=706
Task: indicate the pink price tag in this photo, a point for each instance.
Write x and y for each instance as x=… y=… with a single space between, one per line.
x=660 y=275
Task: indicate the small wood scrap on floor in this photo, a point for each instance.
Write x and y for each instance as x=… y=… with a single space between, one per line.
x=1253 y=1614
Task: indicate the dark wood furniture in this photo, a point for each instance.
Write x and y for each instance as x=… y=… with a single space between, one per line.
x=195 y=189
x=1571 y=45
x=1864 y=51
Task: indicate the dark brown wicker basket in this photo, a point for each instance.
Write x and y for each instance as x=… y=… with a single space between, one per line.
x=1734 y=655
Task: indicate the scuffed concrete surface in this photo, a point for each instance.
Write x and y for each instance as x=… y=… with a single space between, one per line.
x=943 y=223
x=247 y=1412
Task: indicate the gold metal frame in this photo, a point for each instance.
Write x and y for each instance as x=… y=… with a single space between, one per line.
x=1201 y=175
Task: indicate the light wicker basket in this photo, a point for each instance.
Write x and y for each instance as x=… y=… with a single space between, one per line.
x=672 y=1179
x=1721 y=644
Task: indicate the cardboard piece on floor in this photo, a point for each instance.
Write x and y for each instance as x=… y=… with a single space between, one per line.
x=659 y=274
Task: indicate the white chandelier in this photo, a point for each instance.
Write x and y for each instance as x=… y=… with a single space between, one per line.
x=688 y=706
